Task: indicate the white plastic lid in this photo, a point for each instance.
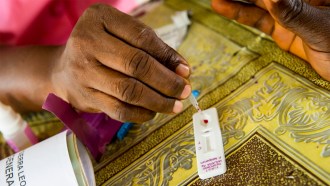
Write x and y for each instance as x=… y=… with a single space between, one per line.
x=10 y=121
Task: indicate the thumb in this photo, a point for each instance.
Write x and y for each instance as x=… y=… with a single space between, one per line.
x=308 y=22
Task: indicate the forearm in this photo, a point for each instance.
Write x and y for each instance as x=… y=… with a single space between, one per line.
x=25 y=75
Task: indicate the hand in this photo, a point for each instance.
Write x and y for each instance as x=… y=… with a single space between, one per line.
x=114 y=64
x=296 y=26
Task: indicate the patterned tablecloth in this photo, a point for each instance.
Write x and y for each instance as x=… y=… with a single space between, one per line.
x=274 y=112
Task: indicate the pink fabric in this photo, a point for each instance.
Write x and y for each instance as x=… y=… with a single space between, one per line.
x=45 y=22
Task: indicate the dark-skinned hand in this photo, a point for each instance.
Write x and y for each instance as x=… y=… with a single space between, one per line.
x=111 y=63
x=115 y=64
x=300 y=27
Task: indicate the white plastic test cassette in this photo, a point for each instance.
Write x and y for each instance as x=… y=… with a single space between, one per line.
x=208 y=141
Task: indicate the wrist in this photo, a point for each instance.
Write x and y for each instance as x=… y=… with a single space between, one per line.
x=56 y=75
x=55 y=59
x=26 y=75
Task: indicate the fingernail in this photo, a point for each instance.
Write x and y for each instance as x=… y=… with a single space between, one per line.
x=186 y=91
x=182 y=70
x=177 y=106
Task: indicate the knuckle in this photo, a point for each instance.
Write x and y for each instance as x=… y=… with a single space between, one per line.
x=96 y=15
x=144 y=36
x=167 y=106
x=292 y=12
x=126 y=113
x=91 y=11
x=175 y=86
x=166 y=55
x=139 y=65
x=169 y=58
x=131 y=91
x=97 y=7
x=143 y=115
x=121 y=113
x=149 y=115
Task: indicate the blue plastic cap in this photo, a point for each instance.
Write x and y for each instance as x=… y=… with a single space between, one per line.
x=195 y=93
x=122 y=132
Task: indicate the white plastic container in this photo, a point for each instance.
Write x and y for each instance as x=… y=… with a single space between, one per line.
x=15 y=130
x=58 y=161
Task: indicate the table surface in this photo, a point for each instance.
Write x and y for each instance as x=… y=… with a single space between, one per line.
x=273 y=112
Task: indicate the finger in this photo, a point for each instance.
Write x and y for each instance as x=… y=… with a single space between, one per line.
x=142 y=37
x=320 y=62
x=297 y=48
x=131 y=91
x=231 y=7
x=136 y=63
x=319 y=2
x=261 y=4
x=308 y=22
x=117 y=109
x=258 y=3
x=282 y=37
x=246 y=14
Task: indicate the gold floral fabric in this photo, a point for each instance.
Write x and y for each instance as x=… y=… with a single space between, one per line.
x=274 y=113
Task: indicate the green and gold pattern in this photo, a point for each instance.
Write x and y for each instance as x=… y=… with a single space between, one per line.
x=274 y=113
x=272 y=105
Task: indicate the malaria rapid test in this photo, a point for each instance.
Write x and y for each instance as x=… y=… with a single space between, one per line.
x=208 y=142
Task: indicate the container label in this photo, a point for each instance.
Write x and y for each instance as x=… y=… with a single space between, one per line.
x=46 y=163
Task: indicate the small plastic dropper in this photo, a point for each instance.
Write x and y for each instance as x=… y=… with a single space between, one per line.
x=194 y=102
